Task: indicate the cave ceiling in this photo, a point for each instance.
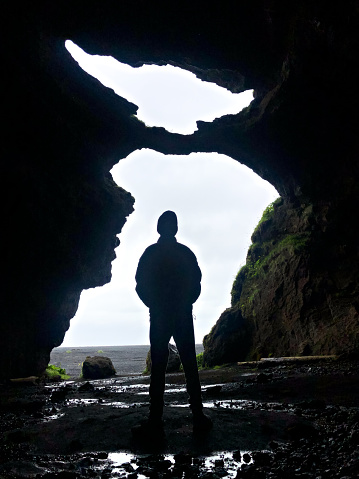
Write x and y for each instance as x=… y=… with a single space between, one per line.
x=297 y=58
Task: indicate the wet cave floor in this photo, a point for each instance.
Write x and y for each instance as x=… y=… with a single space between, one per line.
x=272 y=419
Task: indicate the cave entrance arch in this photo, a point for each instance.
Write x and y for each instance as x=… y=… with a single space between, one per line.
x=218 y=202
x=166 y=96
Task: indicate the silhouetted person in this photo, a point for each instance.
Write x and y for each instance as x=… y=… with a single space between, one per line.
x=169 y=282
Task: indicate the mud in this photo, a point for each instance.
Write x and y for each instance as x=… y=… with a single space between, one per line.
x=269 y=420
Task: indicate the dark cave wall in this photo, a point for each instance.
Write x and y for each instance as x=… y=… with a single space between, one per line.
x=64 y=131
x=62 y=210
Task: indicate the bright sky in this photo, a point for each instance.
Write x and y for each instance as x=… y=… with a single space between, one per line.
x=217 y=200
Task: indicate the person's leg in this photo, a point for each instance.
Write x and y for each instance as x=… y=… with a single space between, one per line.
x=184 y=338
x=160 y=335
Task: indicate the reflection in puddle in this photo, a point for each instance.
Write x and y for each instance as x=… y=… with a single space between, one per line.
x=55 y=385
x=225 y=461
x=176 y=390
x=81 y=402
x=231 y=403
x=223 y=464
x=125 y=405
x=123 y=462
x=117 y=404
x=54 y=416
x=243 y=404
x=211 y=386
x=122 y=388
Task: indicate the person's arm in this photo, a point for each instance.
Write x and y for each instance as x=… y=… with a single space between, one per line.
x=196 y=276
x=143 y=286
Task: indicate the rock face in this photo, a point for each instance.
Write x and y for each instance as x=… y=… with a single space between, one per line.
x=97 y=367
x=292 y=296
x=63 y=132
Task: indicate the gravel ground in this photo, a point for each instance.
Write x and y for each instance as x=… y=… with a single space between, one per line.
x=275 y=419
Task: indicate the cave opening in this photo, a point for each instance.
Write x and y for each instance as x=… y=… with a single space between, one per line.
x=218 y=202
x=166 y=96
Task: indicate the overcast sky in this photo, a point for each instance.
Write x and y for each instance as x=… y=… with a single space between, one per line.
x=218 y=202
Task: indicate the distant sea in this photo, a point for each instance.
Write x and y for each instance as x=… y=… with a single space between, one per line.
x=127 y=360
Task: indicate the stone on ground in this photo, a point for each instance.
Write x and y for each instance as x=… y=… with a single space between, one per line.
x=97 y=367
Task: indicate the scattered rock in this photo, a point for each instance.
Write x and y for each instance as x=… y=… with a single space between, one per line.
x=183 y=458
x=59 y=395
x=261 y=458
x=214 y=390
x=246 y=458
x=237 y=456
x=97 y=367
x=86 y=387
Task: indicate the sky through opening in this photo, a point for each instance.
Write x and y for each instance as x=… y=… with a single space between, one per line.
x=218 y=202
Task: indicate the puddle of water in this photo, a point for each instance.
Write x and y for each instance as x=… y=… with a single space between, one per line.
x=117 y=404
x=224 y=460
x=169 y=390
x=243 y=404
x=117 y=459
x=136 y=386
x=124 y=405
x=211 y=386
x=81 y=402
x=53 y=417
x=176 y=390
x=222 y=463
x=230 y=403
x=122 y=388
x=56 y=385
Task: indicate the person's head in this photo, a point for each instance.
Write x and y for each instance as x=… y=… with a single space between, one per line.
x=167 y=224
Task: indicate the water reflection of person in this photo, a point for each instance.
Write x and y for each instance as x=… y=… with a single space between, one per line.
x=169 y=282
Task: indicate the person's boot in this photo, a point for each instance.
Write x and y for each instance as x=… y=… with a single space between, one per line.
x=201 y=423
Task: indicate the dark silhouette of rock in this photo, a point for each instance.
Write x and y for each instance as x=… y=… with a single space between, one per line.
x=97 y=367
x=229 y=340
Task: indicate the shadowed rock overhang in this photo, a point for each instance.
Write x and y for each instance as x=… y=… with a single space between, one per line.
x=64 y=131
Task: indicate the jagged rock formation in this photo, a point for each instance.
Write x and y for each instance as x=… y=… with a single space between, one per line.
x=64 y=131
x=297 y=293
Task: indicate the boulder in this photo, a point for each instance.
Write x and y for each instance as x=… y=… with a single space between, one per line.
x=97 y=367
x=174 y=361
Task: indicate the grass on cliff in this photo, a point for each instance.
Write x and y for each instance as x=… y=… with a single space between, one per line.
x=262 y=255
x=267 y=214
